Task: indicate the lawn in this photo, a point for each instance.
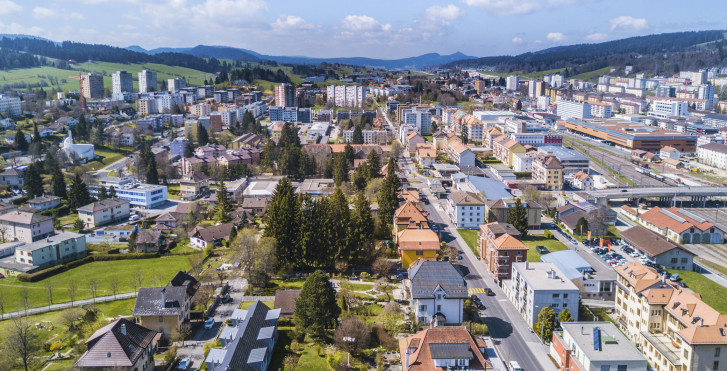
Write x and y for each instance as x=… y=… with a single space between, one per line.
x=712 y=265
x=155 y=272
x=310 y=360
x=551 y=243
x=470 y=236
x=68 y=219
x=248 y=304
x=714 y=294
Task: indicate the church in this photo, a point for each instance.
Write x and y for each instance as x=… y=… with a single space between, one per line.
x=83 y=152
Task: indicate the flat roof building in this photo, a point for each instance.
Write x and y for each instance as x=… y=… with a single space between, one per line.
x=633 y=135
x=595 y=346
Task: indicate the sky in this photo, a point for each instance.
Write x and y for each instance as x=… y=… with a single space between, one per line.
x=386 y=29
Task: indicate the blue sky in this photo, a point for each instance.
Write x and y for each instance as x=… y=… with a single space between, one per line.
x=374 y=28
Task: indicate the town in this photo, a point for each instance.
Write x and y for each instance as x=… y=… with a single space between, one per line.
x=227 y=214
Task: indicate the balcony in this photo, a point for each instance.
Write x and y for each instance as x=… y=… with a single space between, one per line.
x=665 y=346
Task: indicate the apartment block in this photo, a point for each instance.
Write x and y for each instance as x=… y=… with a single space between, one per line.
x=121 y=82
x=147 y=81
x=92 y=86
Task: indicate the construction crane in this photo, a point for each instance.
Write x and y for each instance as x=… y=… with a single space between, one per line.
x=80 y=89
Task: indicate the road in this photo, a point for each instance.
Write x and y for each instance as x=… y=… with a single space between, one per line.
x=65 y=305
x=510 y=333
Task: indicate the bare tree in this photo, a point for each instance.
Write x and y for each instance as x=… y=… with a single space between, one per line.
x=72 y=287
x=26 y=298
x=157 y=278
x=138 y=278
x=382 y=266
x=257 y=256
x=69 y=316
x=4 y=230
x=50 y=287
x=2 y=305
x=115 y=286
x=21 y=344
x=93 y=285
x=352 y=335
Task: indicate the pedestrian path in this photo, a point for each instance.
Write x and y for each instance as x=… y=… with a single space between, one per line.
x=476 y=290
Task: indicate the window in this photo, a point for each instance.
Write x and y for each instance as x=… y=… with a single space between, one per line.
x=715 y=366
x=555 y=296
x=439 y=308
x=420 y=252
x=565 y=296
x=717 y=351
x=674 y=260
x=622 y=367
x=422 y=308
x=605 y=367
x=439 y=296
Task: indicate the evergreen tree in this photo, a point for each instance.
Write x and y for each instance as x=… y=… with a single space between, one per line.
x=33 y=181
x=348 y=154
x=189 y=149
x=545 y=325
x=518 y=217
x=388 y=194
x=267 y=157
x=314 y=245
x=362 y=228
x=78 y=195
x=152 y=174
x=223 y=208
x=112 y=192
x=581 y=226
x=58 y=182
x=202 y=136
x=36 y=133
x=361 y=176
x=374 y=163
x=358 y=137
x=248 y=122
x=288 y=137
x=102 y=195
x=20 y=141
x=132 y=241
x=78 y=225
x=519 y=105
x=316 y=309
x=338 y=226
x=98 y=136
x=282 y=223
x=340 y=169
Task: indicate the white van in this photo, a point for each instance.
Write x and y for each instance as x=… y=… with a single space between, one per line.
x=133 y=218
x=514 y=366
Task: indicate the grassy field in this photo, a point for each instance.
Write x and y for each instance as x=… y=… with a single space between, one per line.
x=248 y=304
x=310 y=360
x=470 y=236
x=712 y=293
x=46 y=74
x=531 y=241
x=154 y=271
x=593 y=75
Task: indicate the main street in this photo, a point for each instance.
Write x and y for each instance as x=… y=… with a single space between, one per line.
x=510 y=333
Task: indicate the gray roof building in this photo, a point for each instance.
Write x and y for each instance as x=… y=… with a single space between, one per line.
x=117 y=345
x=428 y=275
x=160 y=301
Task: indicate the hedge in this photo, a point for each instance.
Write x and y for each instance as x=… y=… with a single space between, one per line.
x=20 y=200
x=45 y=273
x=61 y=210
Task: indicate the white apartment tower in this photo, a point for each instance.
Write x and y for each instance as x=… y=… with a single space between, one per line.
x=176 y=84
x=347 y=95
x=568 y=109
x=512 y=83
x=121 y=82
x=147 y=81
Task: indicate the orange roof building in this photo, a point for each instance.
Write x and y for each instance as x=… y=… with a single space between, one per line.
x=500 y=246
x=681 y=226
x=416 y=243
x=440 y=347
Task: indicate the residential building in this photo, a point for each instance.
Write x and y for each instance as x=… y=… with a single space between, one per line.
x=26 y=227
x=426 y=155
x=285 y=95
x=147 y=81
x=475 y=128
x=711 y=154
x=176 y=84
x=582 y=181
x=570 y=109
x=200 y=237
x=12 y=177
x=600 y=109
x=669 y=152
x=248 y=342
x=177 y=147
x=413 y=140
x=347 y=95
x=289 y=114
x=200 y=110
x=500 y=246
x=548 y=170
x=194 y=185
x=466 y=209
x=10 y=106
x=571 y=160
x=443 y=348
x=121 y=82
x=437 y=291
x=459 y=152
x=52 y=250
x=665 y=108
x=658 y=249
x=535 y=286
x=498 y=209
x=104 y=212
x=594 y=346
x=504 y=148
x=44 y=202
x=414 y=243
x=420 y=118
x=92 y=86
x=163 y=309
x=512 y=83
x=149 y=241
x=255 y=205
x=138 y=194
x=680 y=225
x=538 y=139
x=671 y=325
x=595 y=283
x=522 y=162
x=370 y=136
x=121 y=345
x=146 y=106
x=285 y=301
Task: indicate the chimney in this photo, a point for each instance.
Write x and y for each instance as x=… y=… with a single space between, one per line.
x=406 y=362
x=164 y=298
x=701 y=322
x=123 y=328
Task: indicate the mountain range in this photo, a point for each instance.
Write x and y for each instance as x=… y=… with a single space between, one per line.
x=226 y=52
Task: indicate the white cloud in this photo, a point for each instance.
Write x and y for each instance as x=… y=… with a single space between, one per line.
x=209 y=13
x=363 y=23
x=596 y=37
x=450 y=12
x=506 y=7
x=517 y=40
x=15 y=28
x=555 y=37
x=40 y=12
x=291 y=22
x=76 y=15
x=9 y=7
x=228 y=9
x=628 y=23
x=126 y=26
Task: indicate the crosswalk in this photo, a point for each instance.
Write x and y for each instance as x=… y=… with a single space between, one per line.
x=476 y=290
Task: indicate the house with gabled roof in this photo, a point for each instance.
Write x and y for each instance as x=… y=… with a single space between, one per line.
x=500 y=246
x=200 y=237
x=437 y=291
x=120 y=345
x=409 y=215
x=443 y=348
x=165 y=309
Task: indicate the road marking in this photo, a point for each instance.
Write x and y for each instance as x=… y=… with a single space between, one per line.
x=475 y=290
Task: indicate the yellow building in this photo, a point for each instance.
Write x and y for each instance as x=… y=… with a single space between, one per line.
x=163 y=309
x=417 y=243
x=548 y=170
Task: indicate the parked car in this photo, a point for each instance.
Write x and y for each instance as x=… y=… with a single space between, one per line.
x=402 y=275
x=209 y=323
x=133 y=218
x=674 y=277
x=489 y=292
x=184 y=363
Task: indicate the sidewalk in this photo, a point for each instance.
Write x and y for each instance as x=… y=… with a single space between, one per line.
x=77 y=303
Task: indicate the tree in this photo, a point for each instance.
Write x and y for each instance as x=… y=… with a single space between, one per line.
x=581 y=226
x=132 y=241
x=2 y=304
x=202 y=136
x=115 y=286
x=267 y=157
x=382 y=266
x=338 y=226
x=352 y=335
x=388 y=195
x=93 y=286
x=20 y=141
x=362 y=228
x=72 y=288
x=257 y=256
x=348 y=154
x=316 y=309
x=465 y=134
x=21 y=346
x=49 y=286
x=340 y=169
x=223 y=208
x=58 y=182
x=545 y=325
x=282 y=223
x=102 y=194
x=358 y=137
x=374 y=163
x=518 y=217
x=36 y=134
x=519 y=105
x=79 y=195
x=361 y=176
x=78 y=225
x=112 y=192
x=565 y=316
x=189 y=149
x=33 y=181
x=139 y=278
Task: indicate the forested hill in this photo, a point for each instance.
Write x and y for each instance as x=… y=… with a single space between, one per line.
x=18 y=52
x=685 y=50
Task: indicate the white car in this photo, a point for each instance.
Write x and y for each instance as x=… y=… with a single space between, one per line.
x=133 y=218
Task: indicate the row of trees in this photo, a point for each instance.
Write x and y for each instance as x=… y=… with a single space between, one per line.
x=319 y=233
x=287 y=157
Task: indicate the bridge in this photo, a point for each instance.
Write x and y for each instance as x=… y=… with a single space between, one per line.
x=661 y=193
